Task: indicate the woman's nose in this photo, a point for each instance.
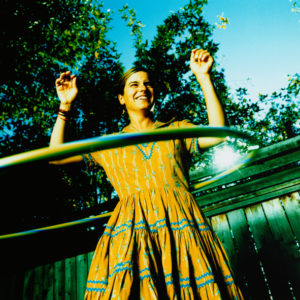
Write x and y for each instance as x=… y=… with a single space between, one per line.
x=142 y=87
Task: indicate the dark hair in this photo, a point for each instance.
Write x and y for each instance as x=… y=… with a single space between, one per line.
x=127 y=74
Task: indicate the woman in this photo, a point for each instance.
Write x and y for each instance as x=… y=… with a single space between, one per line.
x=157 y=244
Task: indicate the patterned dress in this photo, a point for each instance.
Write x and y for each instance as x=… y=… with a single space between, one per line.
x=157 y=244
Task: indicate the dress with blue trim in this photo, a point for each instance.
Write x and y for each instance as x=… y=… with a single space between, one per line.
x=156 y=244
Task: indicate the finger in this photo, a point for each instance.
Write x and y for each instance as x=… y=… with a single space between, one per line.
x=66 y=75
x=59 y=80
x=204 y=56
x=74 y=80
x=195 y=53
x=199 y=54
x=64 y=78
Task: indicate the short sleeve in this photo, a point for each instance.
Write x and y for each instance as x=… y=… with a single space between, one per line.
x=92 y=159
x=192 y=144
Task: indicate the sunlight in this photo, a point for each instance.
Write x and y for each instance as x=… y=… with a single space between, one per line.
x=225 y=157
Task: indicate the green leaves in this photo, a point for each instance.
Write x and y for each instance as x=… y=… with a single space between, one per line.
x=52 y=37
x=167 y=56
x=58 y=35
x=270 y=117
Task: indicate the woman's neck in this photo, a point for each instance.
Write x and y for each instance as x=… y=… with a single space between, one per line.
x=140 y=122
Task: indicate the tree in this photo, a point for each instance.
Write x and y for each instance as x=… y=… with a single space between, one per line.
x=51 y=37
x=281 y=120
x=57 y=35
x=167 y=55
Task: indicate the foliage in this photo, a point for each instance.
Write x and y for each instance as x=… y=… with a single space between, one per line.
x=295 y=8
x=167 y=56
x=51 y=37
x=281 y=120
x=223 y=21
x=54 y=36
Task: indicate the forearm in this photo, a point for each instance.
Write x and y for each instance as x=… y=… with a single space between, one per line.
x=58 y=137
x=58 y=133
x=215 y=112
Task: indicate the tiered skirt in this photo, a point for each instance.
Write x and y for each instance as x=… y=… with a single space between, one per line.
x=158 y=245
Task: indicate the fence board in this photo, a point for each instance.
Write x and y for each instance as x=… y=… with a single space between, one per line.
x=270 y=164
x=249 y=187
x=221 y=228
x=38 y=281
x=28 y=284
x=90 y=258
x=249 y=268
x=292 y=209
x=289 y=149
x=244 y=200
x=264 y=242
x=287 y=250
x=81 y=270
x=59 y=279
x=48 y=282
x=70 y=278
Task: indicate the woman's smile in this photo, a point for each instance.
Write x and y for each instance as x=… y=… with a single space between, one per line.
x=138 y=93
x=142 y=97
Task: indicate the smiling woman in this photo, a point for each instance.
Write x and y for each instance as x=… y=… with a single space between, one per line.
x=157 y=243
x=136 y=92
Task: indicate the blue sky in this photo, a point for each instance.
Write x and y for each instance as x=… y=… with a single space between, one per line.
x=258 y=49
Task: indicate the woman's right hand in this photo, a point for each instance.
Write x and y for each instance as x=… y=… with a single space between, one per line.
x=66 y=89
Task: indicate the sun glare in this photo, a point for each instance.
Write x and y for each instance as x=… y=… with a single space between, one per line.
x=225 y=157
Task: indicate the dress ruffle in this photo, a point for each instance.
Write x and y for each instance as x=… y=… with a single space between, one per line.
x=157 y=245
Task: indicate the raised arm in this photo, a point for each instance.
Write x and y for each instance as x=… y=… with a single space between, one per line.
x=200 y=63
x=67 y=91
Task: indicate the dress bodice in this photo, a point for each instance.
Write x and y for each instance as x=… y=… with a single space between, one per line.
x=155 y=165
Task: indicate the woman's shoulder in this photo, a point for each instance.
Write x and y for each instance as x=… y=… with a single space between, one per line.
x=159 y=124
x=176 y=123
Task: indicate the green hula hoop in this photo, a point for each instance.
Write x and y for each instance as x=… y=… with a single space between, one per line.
x=113 y=141
x=117 y=140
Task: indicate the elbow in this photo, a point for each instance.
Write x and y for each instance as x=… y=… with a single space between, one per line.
x=55 y=162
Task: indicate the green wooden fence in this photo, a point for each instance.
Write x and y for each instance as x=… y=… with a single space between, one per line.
x=254 y=211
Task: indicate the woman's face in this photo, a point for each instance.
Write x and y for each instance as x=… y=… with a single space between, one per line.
x=138 y=93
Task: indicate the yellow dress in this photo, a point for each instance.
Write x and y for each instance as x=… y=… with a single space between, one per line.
x=157 y=244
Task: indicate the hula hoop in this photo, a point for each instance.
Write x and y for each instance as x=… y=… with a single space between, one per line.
x=117 y=140
x=113 y=141
x=57 y=226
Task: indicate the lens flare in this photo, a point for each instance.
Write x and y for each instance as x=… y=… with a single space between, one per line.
x=225 y=157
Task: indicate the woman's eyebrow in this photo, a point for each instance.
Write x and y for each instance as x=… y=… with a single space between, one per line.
x=131 y=82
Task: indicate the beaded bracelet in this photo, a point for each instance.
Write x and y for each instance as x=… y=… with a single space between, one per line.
x=64 y=114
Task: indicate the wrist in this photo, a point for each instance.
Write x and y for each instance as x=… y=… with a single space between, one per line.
x=65 y=107
x=202 y=76
x=64 y=113
x=204 y=80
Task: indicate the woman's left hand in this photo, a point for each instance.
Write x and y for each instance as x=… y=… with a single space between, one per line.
x=200 y=62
